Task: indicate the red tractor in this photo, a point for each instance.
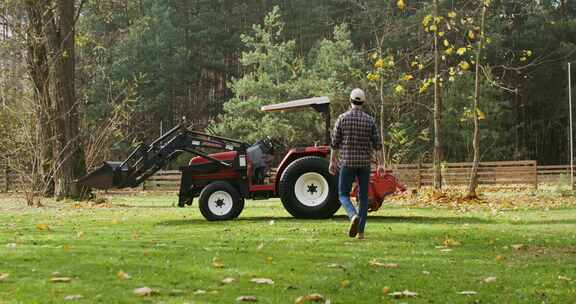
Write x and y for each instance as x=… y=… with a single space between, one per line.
x=225 y=172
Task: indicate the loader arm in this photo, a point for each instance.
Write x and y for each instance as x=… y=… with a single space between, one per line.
x=146 y=160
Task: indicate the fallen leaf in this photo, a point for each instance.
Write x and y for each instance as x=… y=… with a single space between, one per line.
x=334 y=265
x=404 y=294
x=246 y=299
x=563 y=278
x=386 y=290
x=66 y=247
x=345 y=284
x=519 y=246
x=176 y=292
x=144 y=291
x=73 y=297
x=4 y=276
x=114 y=221
x=262 y=281
x=80 y=235
x=449 y=242
x=489 y=280
x=228 y=280
x=468 y=292
x=269 y=259
x=199 y=291
x=216 y=263
x=309 y=298
x=426 y=272
x=260 y=246
x=271 y=222
x=60 y=280
x=122 y=275
x=446 y=250
x=11 y=245
x=43 y=227
x=375 y=262
x=500 y=258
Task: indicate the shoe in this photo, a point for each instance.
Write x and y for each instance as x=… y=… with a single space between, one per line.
x=353 y=231
x=361 y=235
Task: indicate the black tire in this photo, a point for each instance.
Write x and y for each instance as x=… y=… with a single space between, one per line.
x=307 y=178
x=220 y=194
x=239 y=209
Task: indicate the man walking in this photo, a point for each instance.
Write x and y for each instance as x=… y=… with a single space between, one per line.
x=354 y=140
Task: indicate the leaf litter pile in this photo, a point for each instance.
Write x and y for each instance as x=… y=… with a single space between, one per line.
x=492 y=198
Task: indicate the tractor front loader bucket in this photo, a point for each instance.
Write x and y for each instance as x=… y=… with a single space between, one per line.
x=109 y=175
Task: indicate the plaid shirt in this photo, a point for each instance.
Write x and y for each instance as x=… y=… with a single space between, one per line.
x=356 y=136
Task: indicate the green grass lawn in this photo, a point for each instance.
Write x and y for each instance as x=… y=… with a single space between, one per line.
x=185 y=258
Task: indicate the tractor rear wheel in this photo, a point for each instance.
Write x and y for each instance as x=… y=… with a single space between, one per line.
x=220 y=201
x=308 y=190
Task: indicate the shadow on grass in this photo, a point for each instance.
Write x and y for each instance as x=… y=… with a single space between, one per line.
x=343 y=218
x=546 y=222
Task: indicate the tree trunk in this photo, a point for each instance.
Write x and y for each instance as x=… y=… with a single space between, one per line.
x=39 y=73
x=476 y=139
x=437 y=111
x=68 y=153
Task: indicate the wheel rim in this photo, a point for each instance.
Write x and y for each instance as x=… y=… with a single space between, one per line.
x=311 y=189
x=220 y=203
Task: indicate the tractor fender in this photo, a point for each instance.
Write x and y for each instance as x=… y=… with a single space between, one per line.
x=297 y=153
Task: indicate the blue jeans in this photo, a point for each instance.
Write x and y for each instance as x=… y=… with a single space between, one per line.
x=347 y=177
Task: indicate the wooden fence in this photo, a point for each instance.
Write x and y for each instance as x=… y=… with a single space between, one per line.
x=489 y=173
x=498 y=173
x=554 y=174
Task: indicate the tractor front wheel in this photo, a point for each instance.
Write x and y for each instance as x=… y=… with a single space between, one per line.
x=308 y=190
x=220 y=201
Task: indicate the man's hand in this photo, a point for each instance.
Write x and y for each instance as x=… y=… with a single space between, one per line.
x=333 y=169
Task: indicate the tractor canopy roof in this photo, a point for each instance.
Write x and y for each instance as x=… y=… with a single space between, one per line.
x=320 y=104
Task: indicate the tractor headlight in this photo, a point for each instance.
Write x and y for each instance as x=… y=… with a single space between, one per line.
x=242 y=161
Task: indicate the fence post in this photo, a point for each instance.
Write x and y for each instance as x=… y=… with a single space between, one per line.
x=6 y=179
x=419 y=173
x=535 y=175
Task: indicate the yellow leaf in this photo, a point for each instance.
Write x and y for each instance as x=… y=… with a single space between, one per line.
x=399 y=89
x=441 y=34
x=522 y=59
x=471 y=35
x=42 y=227
x=345 y=284
x=407 y=77
x=310 y=298
x=452 y=14
x=465 y=66
x=60 y=280
x=374 y=56
x=420 y=66
x=482 y=116
x=386 y=290
x=461 y=51
x=66 y=247
x=427 y=20
x=449 y=51
x=114 y=221
x=401 y=5
x=4 y=276
x=216 y=263
x=446 y=43
x=433 y=28
x=122 y=275
x=379 y=63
